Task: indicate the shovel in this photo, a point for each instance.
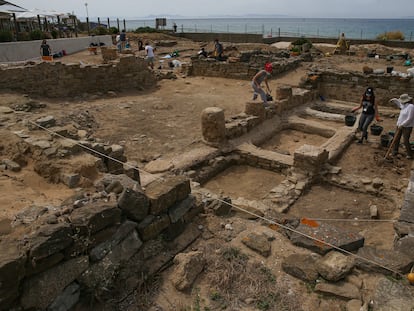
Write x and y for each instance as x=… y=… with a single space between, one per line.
x=394 y=140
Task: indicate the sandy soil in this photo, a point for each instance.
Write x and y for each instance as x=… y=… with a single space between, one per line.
x=165 y=122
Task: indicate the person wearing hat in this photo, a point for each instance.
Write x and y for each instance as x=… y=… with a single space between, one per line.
x=369 y=111
x=262 y=76
x=405 y=123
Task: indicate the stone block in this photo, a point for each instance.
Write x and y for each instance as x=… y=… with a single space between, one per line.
x=98 y=277
x=174 y=230
x=152 y=226
x=178 y=210
x=165 y=193
x=310 y=158
x=12 y=271
x=258 y=243
x=392 y=259
x=132 y=171
x=302 y=266
x=11 y=165
x=70 y=179
x=187 y=267
x=324 y=235
x=256 y=109
x=48 y=121
x=213 y=125
x=67 y=300
x=94 y=217
x=105 y=247
x=41 y=290
x=50 y=239
x=37 y=266
x=134 y=204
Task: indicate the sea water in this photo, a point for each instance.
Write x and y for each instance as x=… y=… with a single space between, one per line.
x=296 y=27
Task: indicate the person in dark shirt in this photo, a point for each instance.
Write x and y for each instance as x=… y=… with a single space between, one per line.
x=369 y=111
x=45 y=49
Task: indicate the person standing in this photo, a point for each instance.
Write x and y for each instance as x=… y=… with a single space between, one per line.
x=149 y=51
x=45 y=49
x=405 y=123
x=262 y=76
x=369 y=111
x=218 y=50
x=123 y=39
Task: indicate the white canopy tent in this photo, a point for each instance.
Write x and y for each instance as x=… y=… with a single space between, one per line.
x=7 y=7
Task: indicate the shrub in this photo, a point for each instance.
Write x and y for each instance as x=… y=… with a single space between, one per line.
x=100 y=31
x=113 y=30
x=391 y=35
x=23 y=36
x=145 y=30
x=36 y=35
x=301 y=41
x=54 y=34
x=6 y=36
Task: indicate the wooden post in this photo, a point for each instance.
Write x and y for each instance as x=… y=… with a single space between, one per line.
x=109 y=24
x=99 y=22
x=117 y=22
x=87 y=25
x=40 y=23
x=124 y=25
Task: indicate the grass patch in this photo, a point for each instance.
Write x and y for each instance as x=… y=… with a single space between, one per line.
x=235 y=279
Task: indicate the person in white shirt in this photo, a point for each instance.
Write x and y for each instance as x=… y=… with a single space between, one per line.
x=149 y=51
x=405 y=123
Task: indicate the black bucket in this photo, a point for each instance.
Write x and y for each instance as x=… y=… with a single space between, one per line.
x=376 y=130
x=350 y=120
x=385 y=140
x=390 y=69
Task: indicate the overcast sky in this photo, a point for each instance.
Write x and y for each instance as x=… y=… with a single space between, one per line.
x=208 y=8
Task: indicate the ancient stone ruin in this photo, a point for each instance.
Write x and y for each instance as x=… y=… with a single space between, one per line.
x=132 y=227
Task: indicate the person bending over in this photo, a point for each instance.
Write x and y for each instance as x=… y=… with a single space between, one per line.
x=260 y=77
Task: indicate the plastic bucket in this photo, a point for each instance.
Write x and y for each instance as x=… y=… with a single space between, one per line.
x=390 y=69
x=350 y=120
x=376 y=130
x=385 y=140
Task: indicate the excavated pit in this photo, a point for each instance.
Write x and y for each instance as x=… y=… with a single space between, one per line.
x=289 y=140
x=252 y=183
x=350 y=211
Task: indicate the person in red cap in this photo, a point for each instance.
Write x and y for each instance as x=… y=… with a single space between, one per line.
x=262 y=76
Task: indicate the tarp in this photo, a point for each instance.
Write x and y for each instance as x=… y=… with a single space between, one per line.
x=32 y=14
x=7 y=7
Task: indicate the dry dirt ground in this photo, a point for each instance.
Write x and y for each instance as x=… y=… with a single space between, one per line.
x=164 y=122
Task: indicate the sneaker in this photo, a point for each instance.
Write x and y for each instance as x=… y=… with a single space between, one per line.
x=360 y=141
x=254 y=96
x=409 y=157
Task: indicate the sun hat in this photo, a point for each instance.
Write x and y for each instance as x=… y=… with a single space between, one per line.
x=404 y=98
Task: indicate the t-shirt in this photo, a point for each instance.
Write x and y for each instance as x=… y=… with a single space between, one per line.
x=368 y=107
x=122 y=36
x=45 y=49
x=150 y=51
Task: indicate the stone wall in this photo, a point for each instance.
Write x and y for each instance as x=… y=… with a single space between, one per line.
x=241 y=70
x=350 y=86
x=84 y=245
x=54 y=79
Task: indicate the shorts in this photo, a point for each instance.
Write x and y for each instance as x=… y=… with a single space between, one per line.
x=150 y=59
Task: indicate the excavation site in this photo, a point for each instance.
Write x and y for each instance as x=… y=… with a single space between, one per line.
x=172 y=189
